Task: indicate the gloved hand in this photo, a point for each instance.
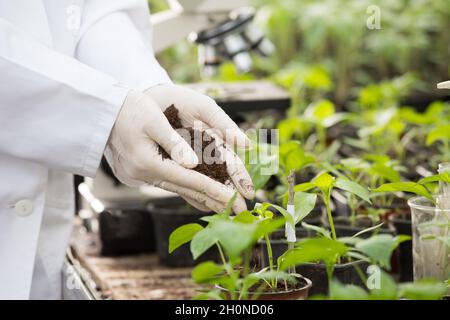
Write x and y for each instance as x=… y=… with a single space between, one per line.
x=197 y=109
x=133 y=154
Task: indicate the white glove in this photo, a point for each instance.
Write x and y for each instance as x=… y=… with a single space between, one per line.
x=197 y=109
x=133 y=154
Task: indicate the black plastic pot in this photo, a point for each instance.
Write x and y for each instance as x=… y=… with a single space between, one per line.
x=126 y=228
x=403 y=226
x=345 y=273
x=166 y=220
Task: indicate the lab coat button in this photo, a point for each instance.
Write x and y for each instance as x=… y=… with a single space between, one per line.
x=23 y=208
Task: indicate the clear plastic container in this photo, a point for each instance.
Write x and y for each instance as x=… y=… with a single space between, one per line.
x=431 y=237
x=444 y=187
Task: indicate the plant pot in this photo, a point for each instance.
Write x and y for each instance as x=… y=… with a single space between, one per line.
x=126 y=228
x=430 y=229
x=403 y=226
x=345 y=273
x=300 y=293
x=168 y=219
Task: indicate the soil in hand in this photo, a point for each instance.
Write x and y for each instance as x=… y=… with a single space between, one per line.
x=199 y=141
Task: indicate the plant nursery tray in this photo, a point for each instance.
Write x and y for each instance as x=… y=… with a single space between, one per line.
x=131 y=277
x=246 y=96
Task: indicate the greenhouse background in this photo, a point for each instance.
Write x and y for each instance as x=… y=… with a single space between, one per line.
x=250 y=150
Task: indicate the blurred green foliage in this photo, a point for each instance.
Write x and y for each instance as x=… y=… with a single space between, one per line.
x=324 y=46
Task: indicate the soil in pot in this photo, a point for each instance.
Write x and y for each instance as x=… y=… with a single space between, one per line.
x=126 y=229
x=289 y=291
x=345 y=273
x=199 y=141
x=166 y=220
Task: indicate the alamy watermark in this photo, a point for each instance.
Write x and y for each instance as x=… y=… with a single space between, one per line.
x=373 y=21
x=73 y=18
x=76 y=275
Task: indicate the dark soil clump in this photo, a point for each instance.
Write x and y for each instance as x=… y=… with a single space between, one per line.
x=199 y=141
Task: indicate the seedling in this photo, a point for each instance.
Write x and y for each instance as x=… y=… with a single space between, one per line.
x=323 y=185
x=310 y=129
x=369 y=170
x=234 y=237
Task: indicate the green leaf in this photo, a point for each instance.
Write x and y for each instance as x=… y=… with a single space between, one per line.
x=380 y=247
x=412 y=187
x=206 y=271
x=285 y=213
x=324 y=182
x=320 y=111
x=444 y=177
x=386 y=172
x=202 y=241
x=412 y=116
x=245 y=217
x=234 y=237
x=306 y=186
x=210 y=295
x=273 y=275
x=441 y=132
x=314 y=250
x=230 y=203
x=267 y=226
x=296 y=159
x=354 y=254
x=258 y=178
x=319 y=230
x=289 y=127
x=367 y=230
x=387 y=287
x=355 y=164
x=423 y=290
x=335 y=118
x=183 y=235
x=339 y=291
x=304 y=203
x=353 y=188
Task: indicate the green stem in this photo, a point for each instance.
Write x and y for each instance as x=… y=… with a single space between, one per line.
x=222 y=256
x=352 y=205
x=247 y=255
x=269 y=255
x=360 y=273
x=327 y=199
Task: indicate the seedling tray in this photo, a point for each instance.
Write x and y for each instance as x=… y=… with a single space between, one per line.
x=248 y=96
x=128 y=277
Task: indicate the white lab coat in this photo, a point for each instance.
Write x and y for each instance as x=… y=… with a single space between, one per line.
x=65 y=69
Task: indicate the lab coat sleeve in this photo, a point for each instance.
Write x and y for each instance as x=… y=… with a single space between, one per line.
x=54 y=110
x=115 y=37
